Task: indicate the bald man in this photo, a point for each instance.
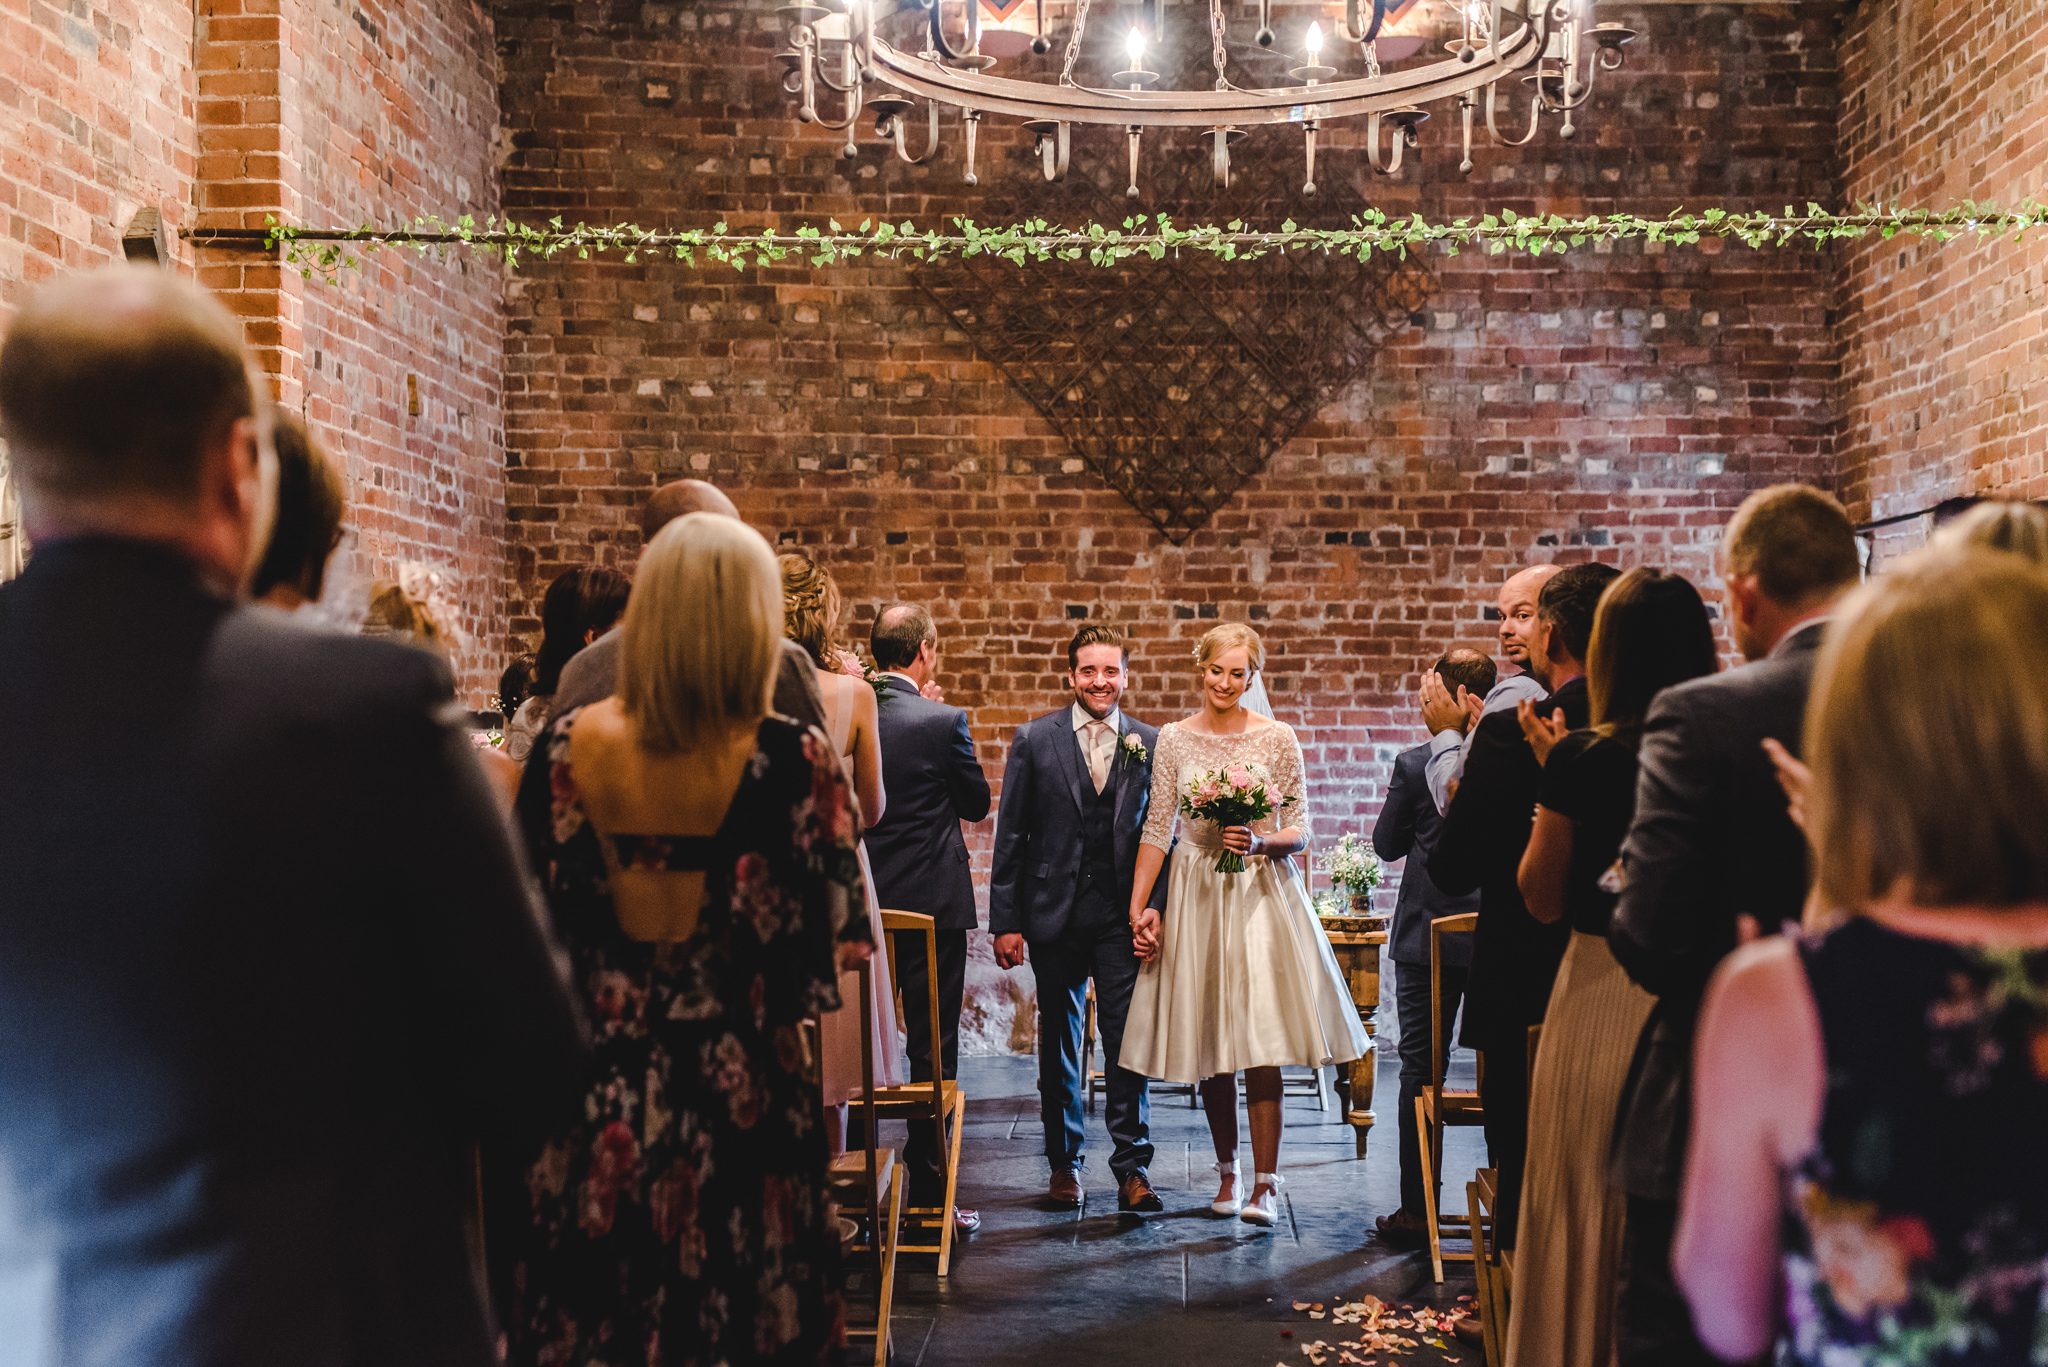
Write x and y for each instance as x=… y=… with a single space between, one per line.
x=593 y=673
x=1453 y=717
x=270 y=964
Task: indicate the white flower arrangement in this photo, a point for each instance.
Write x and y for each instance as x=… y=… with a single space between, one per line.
x=1352 y=864
x=1328 y=903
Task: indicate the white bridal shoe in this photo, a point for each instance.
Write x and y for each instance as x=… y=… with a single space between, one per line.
x=1228 y=1205
x=1263 y=1209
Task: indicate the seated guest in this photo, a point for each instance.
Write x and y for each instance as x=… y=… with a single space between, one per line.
x=1711 y=841
x=594 y=672
x=810 y=610
x=1514 y=956
x=1864 y=1182
x=580 y=605
x=1407 y=829
x=269 y=962
x=514 y=684
x=307 y=526
x=699 y=854
x=1651 y=632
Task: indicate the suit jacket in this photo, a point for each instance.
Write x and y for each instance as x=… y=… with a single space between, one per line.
x=1408 y=828
x=934 y=782
x=1514 y=955
x=1712 y=840
x=269 y=963
x=1037 y=868
x=592 y=674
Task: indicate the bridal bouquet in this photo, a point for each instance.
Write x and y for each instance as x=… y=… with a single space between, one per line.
x=1235 y=795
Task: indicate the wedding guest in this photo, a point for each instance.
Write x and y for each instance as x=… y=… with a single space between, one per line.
x=269 y=962
x=699 y=855
x=580 y=605
x=1407 y=829
x=1864 y=1182
x=594 y=671
x=1239 y=974
x=1076 y=789
x=811 y=607
x=1453 y=716
x=1651 y=632
x=397 y=613
x=1514 y=956
x=2001 y=525
x=307 y=526
x=1711 y=841
x=515 y=682
x=934 y=782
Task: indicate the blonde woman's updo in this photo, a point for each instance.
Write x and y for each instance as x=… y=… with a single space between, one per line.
x=1229 y=636
x=810 y=606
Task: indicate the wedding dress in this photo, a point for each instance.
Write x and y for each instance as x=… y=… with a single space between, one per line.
x=1245 y=977
x=840 y=1034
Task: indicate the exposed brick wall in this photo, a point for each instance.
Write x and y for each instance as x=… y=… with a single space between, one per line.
x=1945 y=348
x=96 y=120
x=1613 y=403
x=230 y=110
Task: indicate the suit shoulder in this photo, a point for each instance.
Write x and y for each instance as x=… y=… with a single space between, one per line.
x=1413 y=760
x=313 y=663
x=1500 y=726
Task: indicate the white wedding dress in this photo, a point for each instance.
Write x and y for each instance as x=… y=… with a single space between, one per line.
x=1245 y=977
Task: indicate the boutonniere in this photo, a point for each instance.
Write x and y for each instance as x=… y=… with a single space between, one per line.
x=1133 y=749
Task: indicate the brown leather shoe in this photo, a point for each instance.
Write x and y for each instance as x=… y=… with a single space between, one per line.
x=1136 y=1197
x=1065 y=1191
x=1403 y=1229
x=1469 y=1332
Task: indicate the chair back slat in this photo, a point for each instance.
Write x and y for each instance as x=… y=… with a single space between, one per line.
x=896 y=923
x=1465 y=923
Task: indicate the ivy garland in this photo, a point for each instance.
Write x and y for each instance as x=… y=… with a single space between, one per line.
x=326 y=252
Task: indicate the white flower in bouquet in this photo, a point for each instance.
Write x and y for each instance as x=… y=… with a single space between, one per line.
x=1353 y=865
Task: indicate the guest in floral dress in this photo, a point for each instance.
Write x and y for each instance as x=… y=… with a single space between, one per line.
x=1866 y=1183
x=700 y=857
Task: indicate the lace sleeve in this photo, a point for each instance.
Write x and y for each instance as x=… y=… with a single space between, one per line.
x=1290 y=783
x=1165 y=803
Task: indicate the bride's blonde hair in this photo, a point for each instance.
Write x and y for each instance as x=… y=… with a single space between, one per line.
x=1229 y=636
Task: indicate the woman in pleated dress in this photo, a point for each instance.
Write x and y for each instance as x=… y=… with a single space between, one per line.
x=1238 y=974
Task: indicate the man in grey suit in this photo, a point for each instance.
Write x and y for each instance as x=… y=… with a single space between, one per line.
x=1407 y=829
x=270 y=963
x=593 y=672
x=919 y=857
x=1712 y=843
x=1076 y=788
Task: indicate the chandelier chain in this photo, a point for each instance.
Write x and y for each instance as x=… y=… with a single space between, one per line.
x=1074 y=42
x=1216 y=53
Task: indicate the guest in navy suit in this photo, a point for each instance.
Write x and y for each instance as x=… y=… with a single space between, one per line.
x=1075 y=792
x=934 y=782
x=1407 y=828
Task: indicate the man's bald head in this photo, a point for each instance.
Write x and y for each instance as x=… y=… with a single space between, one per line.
x=679 y=498
x=1518 y=612
x=116 y=384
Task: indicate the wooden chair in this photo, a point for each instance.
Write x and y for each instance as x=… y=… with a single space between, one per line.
x=939 y=1102
x=1492 y=1269
x=871 y=1178
x=1437 y=1106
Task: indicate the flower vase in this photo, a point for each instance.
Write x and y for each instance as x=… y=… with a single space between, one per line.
x=1361 y=903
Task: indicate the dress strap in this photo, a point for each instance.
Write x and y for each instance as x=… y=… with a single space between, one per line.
x=665 y=853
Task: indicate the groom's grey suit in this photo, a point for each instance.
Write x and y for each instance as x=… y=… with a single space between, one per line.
x=1064 y=860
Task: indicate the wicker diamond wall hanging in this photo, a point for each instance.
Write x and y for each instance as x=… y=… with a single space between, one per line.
x=1177 y=379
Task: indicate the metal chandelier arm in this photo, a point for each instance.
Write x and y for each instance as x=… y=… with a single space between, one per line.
x=1353 y=31
x=1535 y=121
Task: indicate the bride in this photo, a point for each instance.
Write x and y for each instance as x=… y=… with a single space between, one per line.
x=1237 y=972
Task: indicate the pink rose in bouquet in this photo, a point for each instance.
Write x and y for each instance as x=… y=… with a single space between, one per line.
x=1236 y=795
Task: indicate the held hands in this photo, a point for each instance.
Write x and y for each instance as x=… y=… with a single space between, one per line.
x=1542 y=733
x=1145 y=933
x=1443 y=710
x=1009 y=950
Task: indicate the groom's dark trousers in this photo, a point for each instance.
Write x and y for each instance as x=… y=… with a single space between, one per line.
x=1061 y=878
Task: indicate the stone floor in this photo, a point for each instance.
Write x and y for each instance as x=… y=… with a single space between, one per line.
x=1037 y=1286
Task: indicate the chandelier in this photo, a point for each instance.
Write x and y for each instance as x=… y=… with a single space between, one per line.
x=847 y=58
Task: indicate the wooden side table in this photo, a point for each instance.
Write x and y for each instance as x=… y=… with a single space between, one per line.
x=1357 y=936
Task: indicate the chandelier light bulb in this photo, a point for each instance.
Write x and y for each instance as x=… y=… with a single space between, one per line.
x=1134 y=46
x=1314 y=40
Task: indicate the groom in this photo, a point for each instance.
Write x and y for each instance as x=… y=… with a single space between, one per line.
x=1075 y=790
